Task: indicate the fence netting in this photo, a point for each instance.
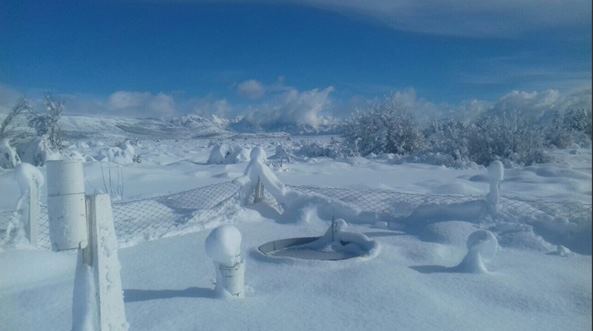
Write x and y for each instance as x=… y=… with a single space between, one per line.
x=195 y=209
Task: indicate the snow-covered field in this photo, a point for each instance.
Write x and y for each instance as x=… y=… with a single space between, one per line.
x=409 y=285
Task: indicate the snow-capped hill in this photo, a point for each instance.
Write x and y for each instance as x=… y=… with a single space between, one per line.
x=193 y=121
x=179 y=127
x=245 y=125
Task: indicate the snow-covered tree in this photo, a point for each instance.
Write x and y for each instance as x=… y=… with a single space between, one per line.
x=21 y=107
x=9 y=158
x=48 y=124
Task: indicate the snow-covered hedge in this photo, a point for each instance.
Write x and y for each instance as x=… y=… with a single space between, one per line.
x=383 y=129
x=509 y=135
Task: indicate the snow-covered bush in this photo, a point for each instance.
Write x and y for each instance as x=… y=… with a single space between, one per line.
x=384 y=128
x=282 y=153
x=9 y=158
x=334 y=149
x=507 y=136
x=228 y=154
x=570 y=127
x=22 y=107
x=47 y=124
x=123 y=153
x=38 y=151
x=448 y=137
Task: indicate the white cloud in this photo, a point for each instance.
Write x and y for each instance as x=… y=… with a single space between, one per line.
x=496 y=18
x=209 y=105
x=141 y=102
x=251 y=89
x=292 y=108
x=537 y=103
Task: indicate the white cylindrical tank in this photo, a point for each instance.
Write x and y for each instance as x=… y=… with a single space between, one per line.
x=66 y=204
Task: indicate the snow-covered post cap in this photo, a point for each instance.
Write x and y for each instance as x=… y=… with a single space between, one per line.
x=258 y=154
x=223 y=245
x=66 y=204
x=482 y=247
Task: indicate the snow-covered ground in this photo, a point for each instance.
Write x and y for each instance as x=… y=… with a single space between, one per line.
x=409 y=285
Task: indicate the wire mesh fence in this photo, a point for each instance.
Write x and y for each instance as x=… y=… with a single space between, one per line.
x=157 y=217
x=195 y=209
x=398 y=204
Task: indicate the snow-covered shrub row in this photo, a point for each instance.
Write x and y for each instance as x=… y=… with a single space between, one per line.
x=509 y=135
x=333 y=149
x=570 y=127
x=384 y=128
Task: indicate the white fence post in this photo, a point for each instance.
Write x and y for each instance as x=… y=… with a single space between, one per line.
x=66 y=204
x=98 y=302
x=32 y=222
x=258 y=195
x=105 y=261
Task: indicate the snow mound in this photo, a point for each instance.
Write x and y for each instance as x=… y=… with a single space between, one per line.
x=448 y=232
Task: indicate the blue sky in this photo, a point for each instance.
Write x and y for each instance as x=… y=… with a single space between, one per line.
x=251 y=53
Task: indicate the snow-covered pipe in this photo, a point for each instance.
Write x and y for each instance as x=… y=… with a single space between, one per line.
x=495 y=175
x=66 y=204
x=223 y=246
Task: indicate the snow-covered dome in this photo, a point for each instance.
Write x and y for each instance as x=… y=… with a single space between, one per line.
x=223 y=244
x=496 y=171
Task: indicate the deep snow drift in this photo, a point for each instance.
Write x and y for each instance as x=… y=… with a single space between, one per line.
x=443 y=275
